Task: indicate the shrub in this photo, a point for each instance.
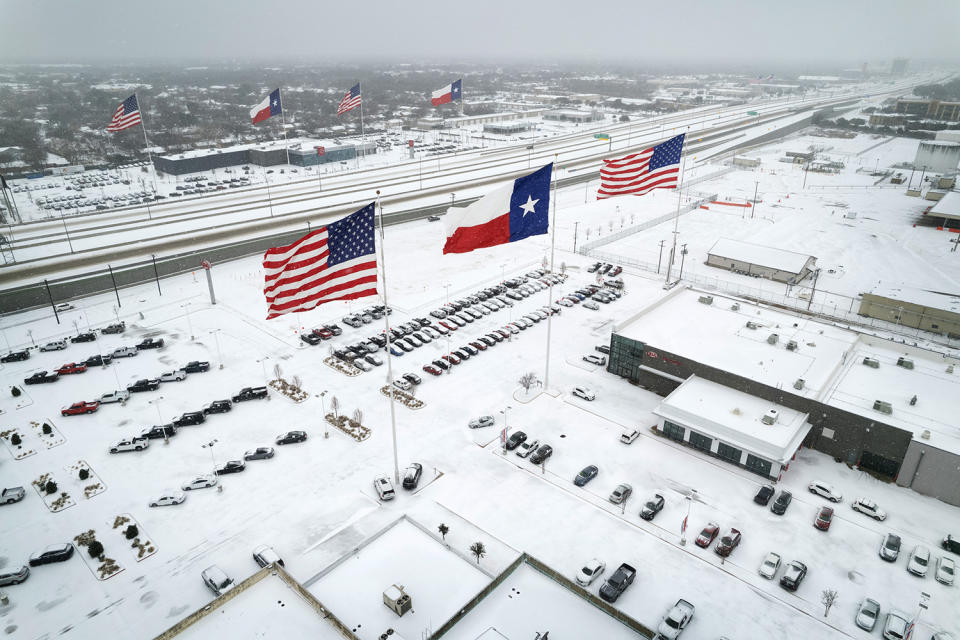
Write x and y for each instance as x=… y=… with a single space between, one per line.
x=51 y=487
x=84 y=474
x=15 y=440
x=15 y=391
x=47 y=429
x=131 y=532
x=95 y=549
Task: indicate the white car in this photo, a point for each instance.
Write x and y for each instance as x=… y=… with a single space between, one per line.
x=201 y=482
x=401 y=384
x=130 y=444
x=114 y=396
x=218 y=581
x=597 y=360
x=524 y=449
x=362 y=364
x=124 y=352
x=825 y=490
x=919 y=561
x=56 y=345
x=64 y=306
x=174 y=376
x=384 y=487
x=264 y=555
x=169 y=498
x=770 y=566
x=564 y=302
x=945 y=570
x=590 y=572
x=895 y=625
x=481 y=422
x=869 y=507
x=584 y=392
x=593 y=306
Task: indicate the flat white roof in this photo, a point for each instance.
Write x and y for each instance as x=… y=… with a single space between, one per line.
x=292 y=143
x=932 y=299
x=735 y=418
x=947 y=207
x=759 y=254
x=716 y=335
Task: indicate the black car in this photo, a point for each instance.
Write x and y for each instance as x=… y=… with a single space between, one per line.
x=585 y=476
x=780 y=505
x=441 y=364
x=196 y=366
x=291 y=437
x=97 y=361
x=333 y=328
x=83 y=337
x=233 y=466
x=15 y=356
x=515 y=440
x=189 y=418
x=542 y=454
x=411 y=477
x=250 y=393
x=652 y=507
x=311 y=338
x=150 y=343
x=380 y=341
x=412 y=378
x=793 y=576
x=218 y=406
x=159 y=431
x=763 y=496
x=117 y=327
x=53 y=553
x=951 y=544
x=144 y=385
x=41 y=377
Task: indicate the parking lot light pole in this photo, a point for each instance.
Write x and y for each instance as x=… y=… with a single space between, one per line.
x=323 y=409
x=506 y=428
x=216 y=338
x=213 y=460
x=683 y=528
x=189 y=324
x=156 y=402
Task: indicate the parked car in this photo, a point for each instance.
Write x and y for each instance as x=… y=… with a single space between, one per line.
x=264 y=556
x=189 y=418
x=384 y=487
x=890 y=547
x=779 y=506
x=114 y=396
x=130 y=444
x=124 y=352
x=867 y=614
x=919 y=561
x=763 y=496
x=652 y=507
x=524 y=449
x=618 y=582
x=250 y=393
x=150 y=343
x=84 y=337
x=584 y=392
x=597 y=360
x=78 y=408
x=260 y=453
x=217 y=406
x=402 y=384
x=41 y=377
x=231 y=466
x=431 y=369
x=793 y=575
x=707 y=535
x=144 y=385
x=11 y=495
x=869 y=507
x=542 y=454
x=676 y=620
x=515 y=440
x=586 y=475
x=593 y=306
x=159 y=431
x=411 y=477
x=728 y=543
x=291 y=437
x=312 y=339
x=825 y=490
x=53 y=553
x=621 y=493
x=945 y=570
x=15 y=356
x=770 y=565
x=117 y=327
x=14 y=575
x=590 y=571
x=895 y=625
x=201 y=482
x=55 y=345
x=196 y=366
x=174 y=376
x=98 y=361
x=824 y=518
x=169 y=499
x=218 y=581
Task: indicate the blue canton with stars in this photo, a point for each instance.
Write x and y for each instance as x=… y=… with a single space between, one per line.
x=667 y=153
x=530 y=204
x=456 y=90
x=351 y=237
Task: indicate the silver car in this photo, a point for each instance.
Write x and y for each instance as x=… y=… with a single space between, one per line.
x=174 y=376
x=945 y=570
x=14 y=576
x=919 y=561
x=621 y=493
x=201 y=482
x=218 y=581
x=264 y=555
x=524 y=449
x=895 y=626
x=867 y=614
x=770 y=566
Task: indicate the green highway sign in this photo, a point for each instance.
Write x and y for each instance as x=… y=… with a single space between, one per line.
x=602 y=136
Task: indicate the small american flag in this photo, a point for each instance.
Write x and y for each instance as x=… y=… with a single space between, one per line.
x=335 y=262
x=640 y=173
x=127 y=115
x=351 y=99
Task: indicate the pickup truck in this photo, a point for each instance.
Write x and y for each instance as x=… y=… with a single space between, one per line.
x=675 y=621
x=618 y=582
x=250 y=393
x=11 y=495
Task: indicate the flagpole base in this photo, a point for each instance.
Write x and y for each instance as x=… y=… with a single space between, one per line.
x=683 y=542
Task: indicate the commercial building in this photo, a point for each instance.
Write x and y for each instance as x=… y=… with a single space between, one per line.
x=573 y=115
x=302 y=153
x=887 y=119
x=940 y=156
x=865 y=401
x=947 y=210
x=508 y=128
x=933 y=109
x=933 y=311
x=760 y=261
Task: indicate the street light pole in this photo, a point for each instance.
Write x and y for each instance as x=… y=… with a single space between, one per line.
x=575 y=225
x=753 y=209
x=323 y=409
x=506 y=429
x=216 y=338
x=189 y=324
x=683 y=255
x=660 y=258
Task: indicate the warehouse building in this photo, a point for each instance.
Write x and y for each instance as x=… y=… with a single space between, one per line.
x=933 y=311
x=867 y=402
x=760 y=261
x=940 y=156
x=302 y=153
x=947 y=210
x=573 y=115
x=508 y=128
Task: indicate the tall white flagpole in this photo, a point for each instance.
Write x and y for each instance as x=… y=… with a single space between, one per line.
x=553 y=237
x=461 y=97
x=386 y=326
x=676 y=219
x=143 y=127
x=362 y=138
x=283 y=124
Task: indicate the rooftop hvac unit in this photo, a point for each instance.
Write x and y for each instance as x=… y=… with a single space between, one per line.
x=798 y=385
x=772 y=338
x=872 y=362
x=905 y=363
x=752 y=325
x=735 y=306
x=882 y=407
x=770 y=417
x=706 y=299
x=397 y=600
x=792 y=345
x=925 y=434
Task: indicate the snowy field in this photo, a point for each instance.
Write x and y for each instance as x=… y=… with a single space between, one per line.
x=314 y=502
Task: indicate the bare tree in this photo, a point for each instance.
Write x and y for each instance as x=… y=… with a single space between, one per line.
x=444 y=530
x=828 y=597
x=277 y=371
x=358 y=416
x=335 y=408
x=478 y=550
x=296 y=383
x=528 y=381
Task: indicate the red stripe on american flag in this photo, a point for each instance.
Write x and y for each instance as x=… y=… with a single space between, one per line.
x=631 y=175
x=665 y=179
x=121 y=122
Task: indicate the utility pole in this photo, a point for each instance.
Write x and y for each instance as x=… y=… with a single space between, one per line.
x=156 y=273
x=816 y=276
x=577 y=223
x=753 y=209
x=683 y=255
x=660 y=259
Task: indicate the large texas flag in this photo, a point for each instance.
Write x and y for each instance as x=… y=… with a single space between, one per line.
x=450 y=93
x=269 y=106
x=514 y=212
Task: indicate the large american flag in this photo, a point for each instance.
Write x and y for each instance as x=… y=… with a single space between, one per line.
x=335 y=262
x=351 y=99
x=127 y=115
x=640 y=173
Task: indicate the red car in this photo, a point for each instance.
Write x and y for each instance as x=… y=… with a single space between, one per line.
x=476 y=344
x=708 y=535
x=448 y=325
x=325 y=334
x=80 y=407
x=429 y=368
x=452 y=359
x=824 y=518
x=728 y=542
x=72 y=367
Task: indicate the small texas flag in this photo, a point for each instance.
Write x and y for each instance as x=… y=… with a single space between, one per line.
x=269 y=106
x=450 y=93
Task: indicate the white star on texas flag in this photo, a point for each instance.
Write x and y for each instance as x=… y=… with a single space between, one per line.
x=528 y=205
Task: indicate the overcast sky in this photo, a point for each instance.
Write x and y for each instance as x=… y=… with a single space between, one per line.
x=760 y=33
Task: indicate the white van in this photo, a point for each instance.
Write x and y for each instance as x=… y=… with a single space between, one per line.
x=629 y=435
x=384 y=487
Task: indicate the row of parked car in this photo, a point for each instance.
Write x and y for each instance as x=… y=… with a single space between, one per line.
x=411 y=479
x=60 y=345
x=590 y=295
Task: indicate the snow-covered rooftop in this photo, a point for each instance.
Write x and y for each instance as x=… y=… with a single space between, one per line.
x=759 y=254
x=735 y=418
x=292 y=143
x=925 y=297
x=947 y=207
